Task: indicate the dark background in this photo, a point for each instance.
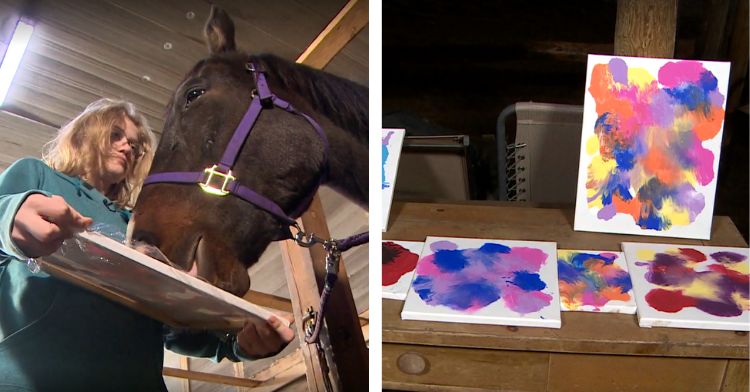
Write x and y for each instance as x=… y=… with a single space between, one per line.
x=451 y=67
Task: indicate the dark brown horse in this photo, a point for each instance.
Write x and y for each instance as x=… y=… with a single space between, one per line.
x=283 y=159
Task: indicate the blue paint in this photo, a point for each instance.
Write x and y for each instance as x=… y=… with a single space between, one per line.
x=528 y=281
x=423 y=286
x=622 y=281
x=470 y=294
x=708 y=82
x=494 y=248
x=689 y=95
x=624 y=157
x=385 y=158
x=450 y=260
x=566 y=272
x=603 y=123
x=580 y=258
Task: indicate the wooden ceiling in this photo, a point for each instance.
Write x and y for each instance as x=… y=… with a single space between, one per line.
x=139 y=50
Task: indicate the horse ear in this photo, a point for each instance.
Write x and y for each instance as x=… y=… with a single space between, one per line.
x=219 y=32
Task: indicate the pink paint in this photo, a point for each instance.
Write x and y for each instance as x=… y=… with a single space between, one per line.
x=673 y=74
x=525 y=302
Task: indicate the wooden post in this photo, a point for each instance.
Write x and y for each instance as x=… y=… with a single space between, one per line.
x=344 y=334
x=305 y=268
x=646 y=28
x=303 y=291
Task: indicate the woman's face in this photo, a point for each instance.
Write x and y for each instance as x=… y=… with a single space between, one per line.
x=123 y=153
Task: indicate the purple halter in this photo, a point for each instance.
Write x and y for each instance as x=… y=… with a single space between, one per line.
x=219 y=180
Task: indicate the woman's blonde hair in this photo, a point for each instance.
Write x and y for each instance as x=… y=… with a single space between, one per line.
x=84 y=144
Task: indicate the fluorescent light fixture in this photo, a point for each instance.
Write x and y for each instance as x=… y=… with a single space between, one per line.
x=13 y=55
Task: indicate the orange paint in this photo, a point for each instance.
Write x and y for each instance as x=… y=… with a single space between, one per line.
x=613 y=293
x=631 y=207
x=659 y=165
x=606 y=102
x=706 y=128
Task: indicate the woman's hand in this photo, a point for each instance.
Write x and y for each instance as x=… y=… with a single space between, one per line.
x=42 y=224
x=259 y=339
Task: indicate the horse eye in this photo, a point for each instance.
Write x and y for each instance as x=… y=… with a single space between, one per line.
x=192 y=95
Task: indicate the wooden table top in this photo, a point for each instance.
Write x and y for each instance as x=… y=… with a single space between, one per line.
x=581 y=332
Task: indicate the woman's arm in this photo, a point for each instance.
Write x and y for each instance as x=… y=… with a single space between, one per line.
x=34 y=223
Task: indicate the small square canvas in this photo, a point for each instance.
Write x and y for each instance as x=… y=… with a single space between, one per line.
x=392 y=141
x=399 y=260
x=685 y=286
x=594 y=281
x=650 y=146
x=466 y=280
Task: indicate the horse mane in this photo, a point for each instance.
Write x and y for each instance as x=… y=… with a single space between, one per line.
x=342 y=101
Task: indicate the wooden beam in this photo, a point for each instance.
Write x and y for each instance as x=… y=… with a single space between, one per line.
x=646 y=28
x=209 y=377
x=303 y=290
x=344 y=26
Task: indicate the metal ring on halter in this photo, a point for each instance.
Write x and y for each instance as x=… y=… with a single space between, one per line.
x=250 y=66
x=305 y=240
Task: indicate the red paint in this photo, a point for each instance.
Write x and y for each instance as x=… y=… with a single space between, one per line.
x=731 y=274
x=397 y=261
x=668 y=301
x=693 y=255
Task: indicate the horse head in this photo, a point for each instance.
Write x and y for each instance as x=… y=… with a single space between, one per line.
x=283 y=159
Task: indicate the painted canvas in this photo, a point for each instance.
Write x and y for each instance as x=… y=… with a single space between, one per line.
x=399 y=260
x=113 y=270
x=686 y=286
x=392 y=141
x=594 y=281
x=650 y=146
x=486 y=282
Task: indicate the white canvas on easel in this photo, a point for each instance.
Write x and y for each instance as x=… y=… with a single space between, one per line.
x=686 y=286
x=485 y=281
x=650 y=146
x=392 y=140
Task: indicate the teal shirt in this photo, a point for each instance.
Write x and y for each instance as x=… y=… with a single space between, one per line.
x=56 y=336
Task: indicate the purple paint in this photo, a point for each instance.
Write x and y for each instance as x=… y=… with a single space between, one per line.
x=470 y=279
x=619 y=70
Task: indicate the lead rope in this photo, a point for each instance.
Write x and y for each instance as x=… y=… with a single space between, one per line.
x=312 y=321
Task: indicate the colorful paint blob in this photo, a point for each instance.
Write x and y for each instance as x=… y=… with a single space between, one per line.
x=397 y=261
x=392 y=140
x=385 y=154
x=715 y=283
x=648 y=153
x=593 y=280
x=470 y=279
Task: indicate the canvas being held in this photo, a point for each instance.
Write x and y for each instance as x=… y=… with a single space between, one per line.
x=565 y=196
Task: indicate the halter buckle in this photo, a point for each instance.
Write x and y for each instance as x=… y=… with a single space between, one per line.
x=215 y=178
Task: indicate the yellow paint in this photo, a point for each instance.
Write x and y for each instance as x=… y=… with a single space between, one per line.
x=596 y=202
x=599 y=169
x=678 y=216
x=639 y=77
x=564 y=254
x=743 y=303
x=689 y=176
x=592 y=145
x=706 y=287
x=743 y=268
x=645 y=254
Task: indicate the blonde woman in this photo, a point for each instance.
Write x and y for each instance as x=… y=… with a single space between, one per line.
x=55 y=336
